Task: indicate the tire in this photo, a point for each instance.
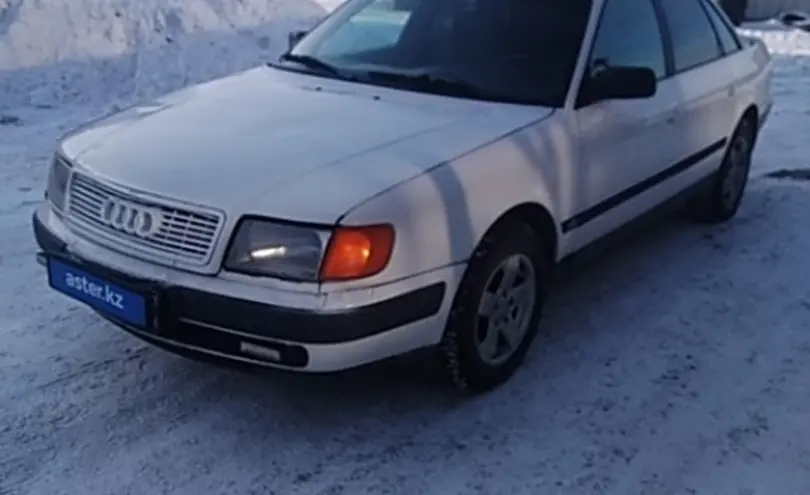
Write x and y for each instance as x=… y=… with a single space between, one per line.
x=720 y=200
x=470 y=347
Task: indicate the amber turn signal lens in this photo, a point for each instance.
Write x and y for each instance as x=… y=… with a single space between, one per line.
x=357 y=252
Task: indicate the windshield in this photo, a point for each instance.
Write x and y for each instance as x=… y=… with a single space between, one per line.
x=521 y=51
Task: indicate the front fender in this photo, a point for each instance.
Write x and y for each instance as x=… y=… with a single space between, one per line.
x=441 y=216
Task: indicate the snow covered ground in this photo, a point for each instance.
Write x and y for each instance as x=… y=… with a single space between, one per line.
x=676 y=364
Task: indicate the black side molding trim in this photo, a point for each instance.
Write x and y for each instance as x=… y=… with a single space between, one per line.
x=631 y=192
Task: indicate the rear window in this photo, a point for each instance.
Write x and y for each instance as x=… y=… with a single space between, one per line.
x=725 y=32
x=694 y=41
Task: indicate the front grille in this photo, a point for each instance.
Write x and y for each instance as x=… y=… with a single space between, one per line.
x=182 y=236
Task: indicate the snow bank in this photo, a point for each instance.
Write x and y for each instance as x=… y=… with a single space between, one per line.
x=55 y=51
x=779 y=39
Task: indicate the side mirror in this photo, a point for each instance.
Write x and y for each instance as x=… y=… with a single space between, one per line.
x=294 y=37
x=621 y=83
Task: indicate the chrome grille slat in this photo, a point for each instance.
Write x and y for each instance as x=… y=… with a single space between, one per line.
x=85 y=210
x=86 y=199
x=185 y=235
x=199 y=235
x=181 y=241
x=87 y=196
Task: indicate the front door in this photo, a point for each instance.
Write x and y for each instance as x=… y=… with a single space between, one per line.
x=625 y=144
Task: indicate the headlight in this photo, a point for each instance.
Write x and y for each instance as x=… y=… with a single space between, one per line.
x=293 y=252
x=286 y=251
x=58 y=177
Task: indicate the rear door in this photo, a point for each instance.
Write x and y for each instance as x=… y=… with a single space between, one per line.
x=705 y=73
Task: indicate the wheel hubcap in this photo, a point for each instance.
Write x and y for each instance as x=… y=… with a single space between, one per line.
x=506 y=308
x=737 y=175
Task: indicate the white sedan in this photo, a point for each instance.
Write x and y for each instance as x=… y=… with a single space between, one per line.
x=404 y=178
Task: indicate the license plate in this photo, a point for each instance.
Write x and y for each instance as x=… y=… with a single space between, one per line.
x=107 y=298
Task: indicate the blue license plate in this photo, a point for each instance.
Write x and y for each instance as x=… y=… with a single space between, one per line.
x=107 y=298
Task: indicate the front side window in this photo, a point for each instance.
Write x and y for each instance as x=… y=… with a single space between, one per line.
x=628 y=35
x=521 y=51
x=694 y=41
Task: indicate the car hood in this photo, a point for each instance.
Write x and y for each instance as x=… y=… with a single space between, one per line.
x=238 y=143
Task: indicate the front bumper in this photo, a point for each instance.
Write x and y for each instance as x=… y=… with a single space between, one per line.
x=192 y=320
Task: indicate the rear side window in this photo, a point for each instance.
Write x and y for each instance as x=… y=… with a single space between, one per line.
x=728 y=38
x=694 y=41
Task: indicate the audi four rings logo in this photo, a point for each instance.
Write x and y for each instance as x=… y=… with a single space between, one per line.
x=134 y=219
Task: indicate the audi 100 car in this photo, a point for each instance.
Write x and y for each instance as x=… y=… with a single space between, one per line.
x=405 y=177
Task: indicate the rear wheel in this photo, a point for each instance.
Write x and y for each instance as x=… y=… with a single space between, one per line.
x=497 y=307
x=721 y=199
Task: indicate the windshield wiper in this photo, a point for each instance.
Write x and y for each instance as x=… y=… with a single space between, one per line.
x=447 y=85
x=429 y=82
x=315 y=63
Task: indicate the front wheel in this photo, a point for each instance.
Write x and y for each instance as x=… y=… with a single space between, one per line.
x=497 y=307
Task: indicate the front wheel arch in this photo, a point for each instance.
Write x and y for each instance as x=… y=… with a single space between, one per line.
x=539 y=219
